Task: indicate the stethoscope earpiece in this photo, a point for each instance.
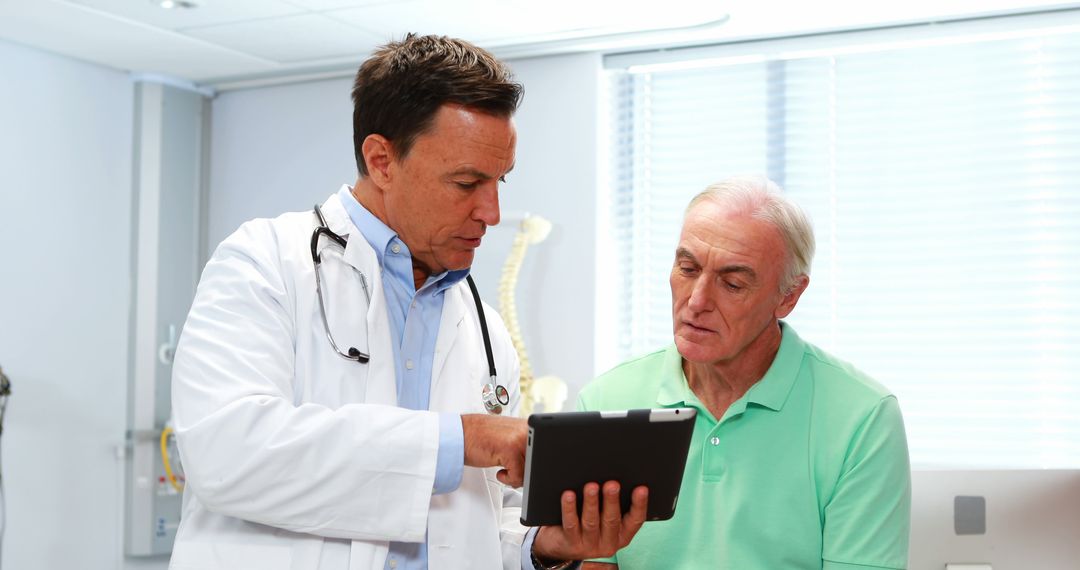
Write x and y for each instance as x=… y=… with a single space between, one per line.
x=358 y=356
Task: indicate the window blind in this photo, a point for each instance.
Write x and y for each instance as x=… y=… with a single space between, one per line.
x=943 y=181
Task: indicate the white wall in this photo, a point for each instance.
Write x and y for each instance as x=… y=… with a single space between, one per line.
x=285 y=148
x=65 y=225
x=556 y=176
x=277 y=149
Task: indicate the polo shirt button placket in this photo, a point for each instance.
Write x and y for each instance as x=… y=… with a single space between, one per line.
x=713 y=457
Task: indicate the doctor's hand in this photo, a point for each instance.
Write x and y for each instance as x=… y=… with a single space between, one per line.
x=599 y=532
x=496 y=441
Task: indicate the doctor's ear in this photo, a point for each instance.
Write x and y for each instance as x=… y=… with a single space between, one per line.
x=378 y=153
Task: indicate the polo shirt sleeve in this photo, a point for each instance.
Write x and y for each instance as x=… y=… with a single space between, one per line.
x=868 y=518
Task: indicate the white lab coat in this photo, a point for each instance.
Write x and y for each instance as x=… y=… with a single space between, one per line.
x=284 y=442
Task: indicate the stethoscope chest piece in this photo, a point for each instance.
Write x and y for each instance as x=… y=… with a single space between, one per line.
x=495 y=397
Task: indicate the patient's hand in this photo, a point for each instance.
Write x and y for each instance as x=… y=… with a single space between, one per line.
x=598 y=533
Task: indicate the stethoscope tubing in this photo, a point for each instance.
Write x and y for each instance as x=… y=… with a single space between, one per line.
x=495 y=395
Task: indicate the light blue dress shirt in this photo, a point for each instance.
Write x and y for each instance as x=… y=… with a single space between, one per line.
x=414 y=322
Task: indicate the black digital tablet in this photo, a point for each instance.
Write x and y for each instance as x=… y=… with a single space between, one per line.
x=635 y=447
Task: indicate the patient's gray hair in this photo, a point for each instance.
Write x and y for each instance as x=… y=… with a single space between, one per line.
x=763 y=199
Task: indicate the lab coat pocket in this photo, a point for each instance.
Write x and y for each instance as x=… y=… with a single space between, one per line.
x=496 y=490
x=458 y=385
x=506 y=503
x=322 y=375
x=230 y=556
x=327 y=379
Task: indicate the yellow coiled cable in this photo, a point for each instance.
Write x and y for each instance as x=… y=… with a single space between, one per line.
x=165 y=433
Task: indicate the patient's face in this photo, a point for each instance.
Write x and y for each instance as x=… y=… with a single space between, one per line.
x=725 y=283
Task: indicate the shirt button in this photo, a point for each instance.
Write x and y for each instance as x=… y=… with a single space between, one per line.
x=714 y=440
x=409 y=364
x=393 y=563
x=395 y=248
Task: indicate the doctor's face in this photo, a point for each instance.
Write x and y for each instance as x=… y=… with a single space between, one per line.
x=445 y=192
x=725 y=283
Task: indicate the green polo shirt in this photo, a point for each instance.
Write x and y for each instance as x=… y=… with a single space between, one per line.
x=808 y=470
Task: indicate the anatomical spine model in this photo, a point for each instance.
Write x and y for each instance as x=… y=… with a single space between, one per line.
x=548 y=391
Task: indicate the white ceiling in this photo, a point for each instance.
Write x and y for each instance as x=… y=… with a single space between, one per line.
x=222 y=41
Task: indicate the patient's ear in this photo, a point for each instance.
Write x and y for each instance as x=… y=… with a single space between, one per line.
x=791 y=298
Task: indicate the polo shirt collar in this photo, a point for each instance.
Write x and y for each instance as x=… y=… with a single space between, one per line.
x=771 y=391
x=775 y=386
x=674 y=389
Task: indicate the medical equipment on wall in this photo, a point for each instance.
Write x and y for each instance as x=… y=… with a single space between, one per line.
x=174 y=472
x=5 y=393
x=169 y=249
x=548 y=391
x=493 y=394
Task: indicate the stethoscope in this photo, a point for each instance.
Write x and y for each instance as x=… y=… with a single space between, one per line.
x=494 y=395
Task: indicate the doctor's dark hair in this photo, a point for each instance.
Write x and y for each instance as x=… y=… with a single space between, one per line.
x=398 y=91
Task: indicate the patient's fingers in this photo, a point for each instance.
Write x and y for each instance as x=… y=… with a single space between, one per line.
x=632 y=521
x=571 y=525
x=590 y=515
x=611 y=518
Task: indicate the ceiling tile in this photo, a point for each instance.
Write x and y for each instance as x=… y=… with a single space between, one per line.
x=318 y=5
x=135 y=35
x=500 y=22
x=89 y=36
x=291 y=39
x=209 y=12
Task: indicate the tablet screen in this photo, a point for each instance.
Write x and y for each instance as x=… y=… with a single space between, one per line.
x=635 y=447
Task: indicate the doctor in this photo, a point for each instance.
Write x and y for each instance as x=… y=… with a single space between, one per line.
x=334 y=399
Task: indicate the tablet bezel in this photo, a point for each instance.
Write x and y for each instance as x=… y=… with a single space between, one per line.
x=566 y=450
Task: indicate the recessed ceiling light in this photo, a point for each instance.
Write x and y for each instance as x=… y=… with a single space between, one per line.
x=176 y=4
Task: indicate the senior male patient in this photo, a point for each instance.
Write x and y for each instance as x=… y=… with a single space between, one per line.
x=798 y=460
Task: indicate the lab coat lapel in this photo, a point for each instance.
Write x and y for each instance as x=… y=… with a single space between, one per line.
x=382 y=382
x=358 y=252
x=453 y=315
